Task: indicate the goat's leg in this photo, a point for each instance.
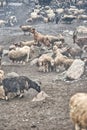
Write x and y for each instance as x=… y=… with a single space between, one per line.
x=21 y=94
x=6 y=97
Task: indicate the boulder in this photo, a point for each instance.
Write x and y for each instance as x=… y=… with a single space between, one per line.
x=41 y=96
x=34 y=62
x=12 y=74
x=76 y=70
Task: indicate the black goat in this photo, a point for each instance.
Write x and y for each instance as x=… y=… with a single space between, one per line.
x=18 y=85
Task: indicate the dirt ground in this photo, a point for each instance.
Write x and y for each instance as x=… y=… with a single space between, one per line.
x=51 y=113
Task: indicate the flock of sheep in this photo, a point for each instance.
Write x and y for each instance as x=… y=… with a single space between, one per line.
x=48 y=14
x=58 y=54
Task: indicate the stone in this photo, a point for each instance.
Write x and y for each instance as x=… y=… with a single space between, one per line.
x=76 y=70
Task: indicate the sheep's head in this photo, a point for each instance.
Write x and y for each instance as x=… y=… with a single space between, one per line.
x=12 y=47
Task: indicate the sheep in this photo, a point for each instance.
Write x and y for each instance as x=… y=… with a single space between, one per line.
x=50 y=15
x=11 y=21
x=35 y=16
x=2 y=92
x=26 y=28
x=2 y=23
x=82 y=29
x=60 y=59
x=44 y=62
x=40 y=38
x=75 y=51
x=78 y=112
x=53 y=39
x=2 y=75
x=82 y=17
x=20 y=54
x=68 y=18
x=27 y=43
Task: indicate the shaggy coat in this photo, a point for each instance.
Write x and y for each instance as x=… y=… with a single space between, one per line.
x=18 y=85
x=78 y=110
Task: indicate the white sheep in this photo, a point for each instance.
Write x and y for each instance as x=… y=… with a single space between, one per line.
x=20 y=53
x=60 y=59
x=2 y=23
x=44 y=62
x=78 y=111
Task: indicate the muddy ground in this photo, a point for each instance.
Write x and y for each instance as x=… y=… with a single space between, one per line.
x=51 y=113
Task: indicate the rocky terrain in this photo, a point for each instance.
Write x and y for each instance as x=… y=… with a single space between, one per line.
x=51 y=113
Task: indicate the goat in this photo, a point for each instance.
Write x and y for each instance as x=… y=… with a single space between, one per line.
x=18 y=85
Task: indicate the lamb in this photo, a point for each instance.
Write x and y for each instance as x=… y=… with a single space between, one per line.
x=26 y=28
x=60 y=59
x=20 y=54
x=78 y=112
x=44 y=62
x=40 y=38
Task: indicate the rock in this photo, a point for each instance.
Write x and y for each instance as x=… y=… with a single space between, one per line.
x=41 y=96
x=76 y=69
x=5 y=52
x=12 y=74
x=34 y=62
